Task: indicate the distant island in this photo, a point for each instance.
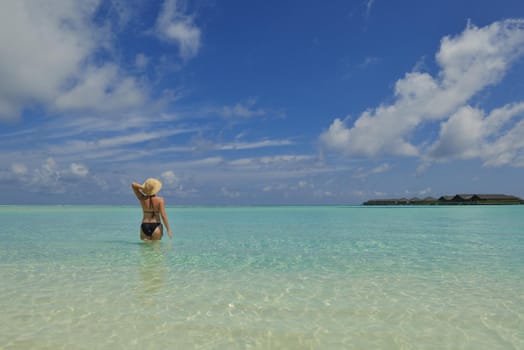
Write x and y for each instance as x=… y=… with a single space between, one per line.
x=458 y=199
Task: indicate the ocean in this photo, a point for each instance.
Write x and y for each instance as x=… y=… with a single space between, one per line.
x=78 y=277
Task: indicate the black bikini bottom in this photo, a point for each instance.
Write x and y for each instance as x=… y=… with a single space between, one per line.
x=149 y=227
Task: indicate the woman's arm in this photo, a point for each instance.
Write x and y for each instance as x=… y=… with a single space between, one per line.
x=137 y=188
x=165 y=220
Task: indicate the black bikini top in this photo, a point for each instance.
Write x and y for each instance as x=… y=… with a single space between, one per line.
x=152 y=209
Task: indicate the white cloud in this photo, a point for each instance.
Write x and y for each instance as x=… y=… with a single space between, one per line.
x=460 y=136
x=267 y=188
x=469 y=62
x=304 y=184
x=272 y=161
x=79 y=169
x=508 y=149
x=359 y=193
x=177 y=185
x=49 y=176
x=285 y=159
x=65 y=126
x=141 y=61
x=205 y=162
x=498 y=118
x=19 y=168
x=169 y=177
x=46 y=177
x=173 y=25
x=326 y=194
x=252 y=145
x=243 y=110
x=470 y=133
x=201 y=144
x=362 y=173
x=299 y=186
x=47 y=59
x=381 y=168
x=479 y=56
x=229 y=193
x=368 y=61
x=369 y=6
x=425 y=192
x=45 y=51
x=103 y=89
x=81 y=146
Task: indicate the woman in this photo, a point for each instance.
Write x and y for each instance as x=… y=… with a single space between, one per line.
x=153 y=208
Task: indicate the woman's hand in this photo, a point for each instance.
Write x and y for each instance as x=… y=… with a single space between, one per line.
x=138 y=189
x=170 y=234
x=137 y=186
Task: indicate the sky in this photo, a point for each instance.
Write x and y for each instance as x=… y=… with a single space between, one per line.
x=260 y=102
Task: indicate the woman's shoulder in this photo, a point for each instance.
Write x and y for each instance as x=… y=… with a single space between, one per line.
x=158 y=199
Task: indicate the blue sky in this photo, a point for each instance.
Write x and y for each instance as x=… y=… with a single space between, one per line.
x=260 y=102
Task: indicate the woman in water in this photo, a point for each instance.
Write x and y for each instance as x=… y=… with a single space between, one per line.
x=153 y=208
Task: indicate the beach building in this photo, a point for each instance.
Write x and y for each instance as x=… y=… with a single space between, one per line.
x=445 y=199
x=458 y=199
x=497 y=199
x=429 y=201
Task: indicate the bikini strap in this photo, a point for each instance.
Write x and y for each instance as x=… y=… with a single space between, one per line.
x=153 y=211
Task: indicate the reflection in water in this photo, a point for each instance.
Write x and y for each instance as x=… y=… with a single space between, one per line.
x=153 y=269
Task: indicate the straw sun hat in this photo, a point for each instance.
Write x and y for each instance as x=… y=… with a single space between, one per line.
x=151 y=186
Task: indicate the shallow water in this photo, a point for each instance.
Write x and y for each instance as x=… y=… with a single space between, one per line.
x=263 y=277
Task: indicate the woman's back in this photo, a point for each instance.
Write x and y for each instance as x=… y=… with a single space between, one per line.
x=151 y=207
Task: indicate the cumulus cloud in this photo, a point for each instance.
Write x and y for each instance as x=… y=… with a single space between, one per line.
x=460 y=136
x=19 y=168
x=49 y=176
x=50 y=61
x=471 y=133
x=180 y=186
x=79 y=169
x=469 y=62
x=169 y=177
x=172 y=24
x=46 y=177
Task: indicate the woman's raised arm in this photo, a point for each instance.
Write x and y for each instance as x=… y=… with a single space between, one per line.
x=138 y=188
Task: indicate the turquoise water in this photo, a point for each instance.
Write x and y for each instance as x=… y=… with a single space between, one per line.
x=263 y=278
